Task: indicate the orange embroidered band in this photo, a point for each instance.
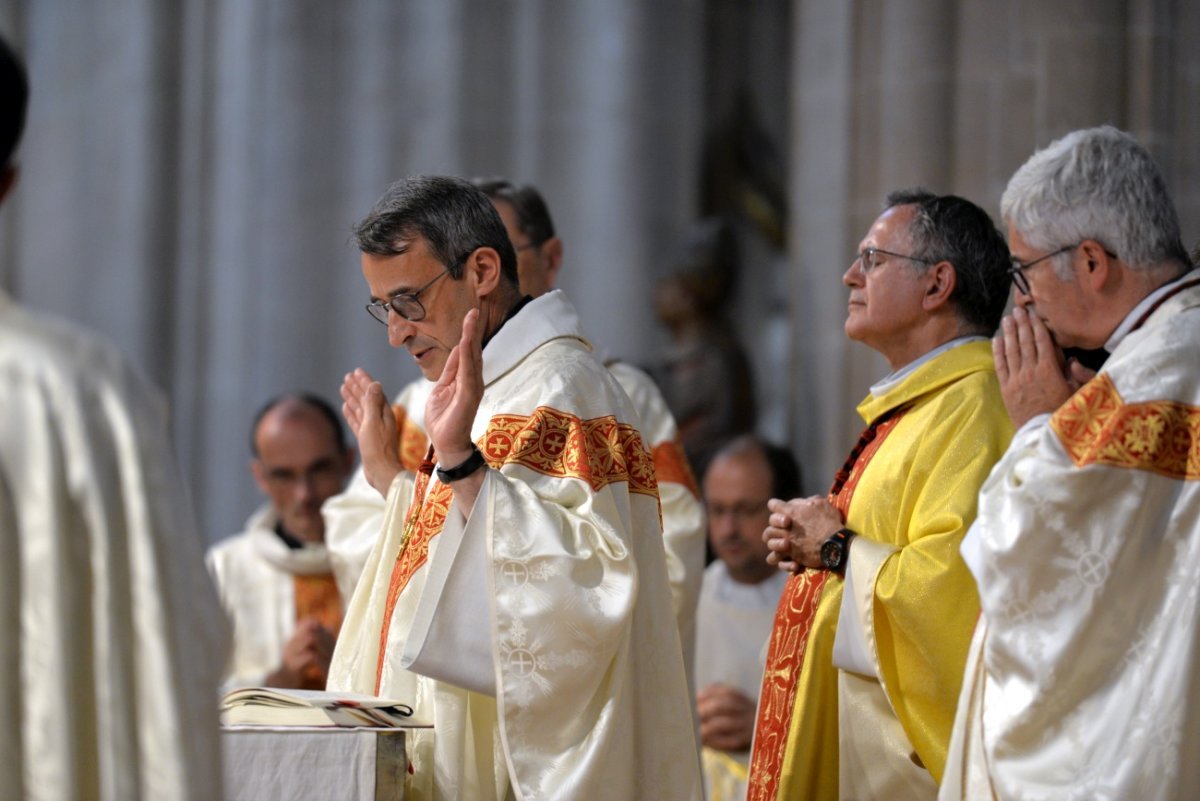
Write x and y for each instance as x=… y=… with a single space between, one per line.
x=1096 y=426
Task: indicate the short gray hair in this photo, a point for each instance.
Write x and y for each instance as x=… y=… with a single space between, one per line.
x=1096 y=183
x=453 y=217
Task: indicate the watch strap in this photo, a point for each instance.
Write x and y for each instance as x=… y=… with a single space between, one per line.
x=839 y=544
x=461 y=471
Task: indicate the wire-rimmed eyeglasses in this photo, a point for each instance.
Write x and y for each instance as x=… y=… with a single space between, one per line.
x=408 y=304
x=868 y=259
x=1017 y=270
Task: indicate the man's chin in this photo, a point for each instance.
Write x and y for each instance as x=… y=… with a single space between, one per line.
x=431 y=373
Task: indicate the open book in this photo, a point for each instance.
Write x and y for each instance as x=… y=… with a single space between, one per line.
x=271 y=706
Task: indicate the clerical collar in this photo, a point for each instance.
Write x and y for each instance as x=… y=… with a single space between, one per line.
x=291 y=542
x=889 y=382
x=1140 y=313
x=520 y=304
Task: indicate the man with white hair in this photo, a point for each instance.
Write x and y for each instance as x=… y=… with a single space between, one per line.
x=1083 y=679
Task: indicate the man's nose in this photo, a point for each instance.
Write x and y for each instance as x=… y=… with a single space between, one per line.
x=400 y=330
x=304 y=488
x=853 y=275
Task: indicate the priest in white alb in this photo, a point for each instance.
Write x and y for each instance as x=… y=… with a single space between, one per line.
x=517 y=594
x=1083 y=679
x=113 y=636
x=352 y=518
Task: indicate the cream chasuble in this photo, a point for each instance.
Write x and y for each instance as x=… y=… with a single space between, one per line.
x=1084 y=676
x=353 y=519
x=539 y=628
x=114 y=640
x=902 y=634
x=262 y=584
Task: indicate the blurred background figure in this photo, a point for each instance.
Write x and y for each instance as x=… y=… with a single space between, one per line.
x=113 y=638
x=274 y=578
x=737 y=604
x=705 y=374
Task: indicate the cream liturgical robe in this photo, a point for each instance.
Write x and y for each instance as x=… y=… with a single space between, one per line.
x=1083 y=680
x=354 y=517
x=536 y=633
x=113 y=637
x=257 y=576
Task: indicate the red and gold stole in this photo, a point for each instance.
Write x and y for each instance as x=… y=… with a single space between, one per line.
x=412 y=440
x=671 y=465
x=598 y=450
x=316 y=596
x=793 y=625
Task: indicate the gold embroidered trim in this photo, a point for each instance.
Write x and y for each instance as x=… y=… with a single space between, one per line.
x=600 y=450
x=1096 y=426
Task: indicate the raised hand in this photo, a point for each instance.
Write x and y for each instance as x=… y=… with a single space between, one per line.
x=451 y=408
x=370 y=417
x=1033 y=374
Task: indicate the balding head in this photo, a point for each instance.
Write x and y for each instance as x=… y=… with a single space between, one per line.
x=300 y=461
x=739 y=481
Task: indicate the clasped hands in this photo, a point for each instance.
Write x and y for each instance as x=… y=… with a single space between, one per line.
x=797 y=529
x=449 y=412
x=1035 y=378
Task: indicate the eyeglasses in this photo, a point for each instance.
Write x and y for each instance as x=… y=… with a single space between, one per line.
x=740 y=512
x=407 y=304
x=527 y=246
x=324 y=470
x=1017 y=271
x=869 y=259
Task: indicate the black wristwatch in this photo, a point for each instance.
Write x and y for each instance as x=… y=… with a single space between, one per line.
x=459 y=472
x=836 y=550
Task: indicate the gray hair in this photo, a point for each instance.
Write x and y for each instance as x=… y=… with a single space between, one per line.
x=452 y=216
x=951 y=228
x=1096 y=183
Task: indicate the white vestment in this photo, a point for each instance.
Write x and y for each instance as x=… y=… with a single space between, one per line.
x=353 y=518
x=255 y=573
x=539 y=629
x=733 y=625
x=1083 y=680
x=113 y=637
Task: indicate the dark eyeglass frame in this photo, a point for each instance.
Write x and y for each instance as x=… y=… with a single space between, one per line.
x=408 y=304
x=1017 y=270
x=866 y=258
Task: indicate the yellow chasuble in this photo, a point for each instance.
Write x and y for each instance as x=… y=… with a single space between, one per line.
x=910 y=495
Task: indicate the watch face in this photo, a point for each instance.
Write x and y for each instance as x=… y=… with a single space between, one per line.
x=831 y=554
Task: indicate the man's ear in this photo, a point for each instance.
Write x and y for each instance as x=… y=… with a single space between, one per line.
x=260 y=474
x=940 y=280
x=484 y=266
x=1098 y=267
x=8 y=179
x=552 y=252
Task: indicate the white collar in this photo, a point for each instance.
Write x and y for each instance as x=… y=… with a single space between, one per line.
x=548 y=317
x=1135 y=314
x=888 y=382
